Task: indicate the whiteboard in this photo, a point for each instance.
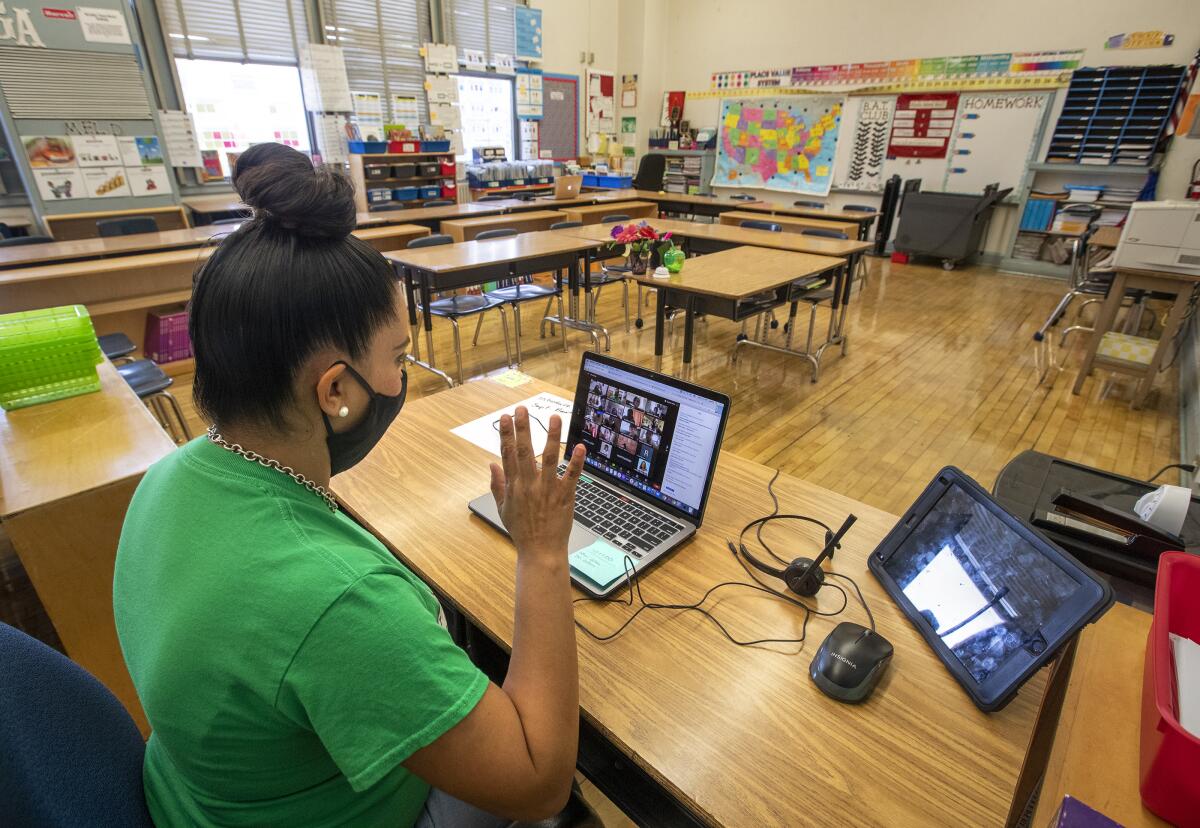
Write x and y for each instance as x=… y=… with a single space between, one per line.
x=994 y=139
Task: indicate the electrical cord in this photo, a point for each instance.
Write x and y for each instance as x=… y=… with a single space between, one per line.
x=1187 y=467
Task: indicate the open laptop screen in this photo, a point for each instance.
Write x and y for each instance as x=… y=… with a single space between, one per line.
x=648 y=433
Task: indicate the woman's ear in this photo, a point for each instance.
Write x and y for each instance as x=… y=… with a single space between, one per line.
x=331 y=392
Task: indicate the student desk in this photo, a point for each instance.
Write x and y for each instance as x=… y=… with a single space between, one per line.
x=693 y=204
x=791 y=224
x=208 y=208
x=678 y=726
x=452 y=266
x=428 y=216
x=98 y=248
x=70 y=226
x=1095 y=757
x=593 y=213
x=861 y=219
x=67 y=471
x=466 y=229
x=1183 y=285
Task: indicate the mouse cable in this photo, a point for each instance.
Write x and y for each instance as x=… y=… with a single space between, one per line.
x=635 y=587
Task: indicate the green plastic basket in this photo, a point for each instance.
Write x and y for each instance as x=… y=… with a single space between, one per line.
x=47 y=354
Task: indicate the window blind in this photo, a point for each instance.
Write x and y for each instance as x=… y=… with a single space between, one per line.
x=256 y=31
x=485 y=25
x=381 y=42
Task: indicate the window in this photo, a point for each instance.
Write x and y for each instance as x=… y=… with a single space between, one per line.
x=381 y=42
x=484 y=25
x=236 y=105
x=259 y=31
x=486 y=105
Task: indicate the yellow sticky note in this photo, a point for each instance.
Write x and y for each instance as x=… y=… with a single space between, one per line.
x=512 y=378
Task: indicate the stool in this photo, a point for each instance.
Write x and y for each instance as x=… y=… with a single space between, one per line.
x=150 y=383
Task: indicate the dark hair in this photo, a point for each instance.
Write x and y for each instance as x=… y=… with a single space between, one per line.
x=289 y=281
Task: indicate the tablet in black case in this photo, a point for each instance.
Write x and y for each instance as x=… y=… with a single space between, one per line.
x=994 y=599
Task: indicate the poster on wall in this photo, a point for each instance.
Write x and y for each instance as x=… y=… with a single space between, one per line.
x=106 y=182
x=860 y=157
x=211 y=171
x=103 y=25
x=527 y=30
x=601 y=103
x=922 y=125
x=138 y=151
x=50 y=151
x=179 y=134
x=148 y=180
x=529 y=93
x=97 y=150
x=786 y=144
x=672 y=108
x=60 y=184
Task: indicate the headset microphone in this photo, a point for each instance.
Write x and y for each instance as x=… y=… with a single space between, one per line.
x=803 y=576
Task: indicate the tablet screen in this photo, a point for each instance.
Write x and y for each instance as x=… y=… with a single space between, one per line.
x=983 y=589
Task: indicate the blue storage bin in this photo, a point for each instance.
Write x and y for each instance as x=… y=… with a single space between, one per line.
x=379 y=196
x=406 y=194
x=434 y=191
x=368 y=147
x=614 y=181
x=435 y=146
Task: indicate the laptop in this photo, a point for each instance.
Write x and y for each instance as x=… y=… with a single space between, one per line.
x=566 y=186
x=652 y=443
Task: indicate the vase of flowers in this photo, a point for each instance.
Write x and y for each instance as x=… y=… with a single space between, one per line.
x=640 y=242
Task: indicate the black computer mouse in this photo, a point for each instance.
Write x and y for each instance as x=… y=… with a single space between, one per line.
x=850 y=662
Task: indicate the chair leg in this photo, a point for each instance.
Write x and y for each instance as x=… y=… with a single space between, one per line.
x=625 y=302
x=478 y=327
x=545 y=313
x=178 y=412
x=562 y=328
x=457 y=347
x=504 y=327
x=516 y=309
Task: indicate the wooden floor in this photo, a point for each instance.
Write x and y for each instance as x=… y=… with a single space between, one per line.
x=939 y=372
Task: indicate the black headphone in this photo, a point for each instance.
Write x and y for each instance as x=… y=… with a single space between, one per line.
x=803 y=576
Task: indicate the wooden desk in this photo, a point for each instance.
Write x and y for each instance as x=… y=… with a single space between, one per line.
x=593 y=213
x=694 y=205
x=428 y=216
x=1181 y=284
x=467 y=229
x=791 y=224
x=452 y=266
x=1106 y=238
x=861 y=219
x=1096 y=748
x=219 y=205
x=391 y=236
x=67 y=471
x=70 y=226
x=735 y=735
x=97 y=248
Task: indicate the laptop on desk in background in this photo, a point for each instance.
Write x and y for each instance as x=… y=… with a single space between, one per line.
x=652 y=443
x=566 y=186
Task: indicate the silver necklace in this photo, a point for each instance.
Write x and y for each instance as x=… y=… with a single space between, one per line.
x=255 y=457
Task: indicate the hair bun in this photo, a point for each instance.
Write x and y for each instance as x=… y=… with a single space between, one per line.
x=286 y=191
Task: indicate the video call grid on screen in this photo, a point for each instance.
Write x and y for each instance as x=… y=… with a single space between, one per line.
x=627 y=431
x=982 y=587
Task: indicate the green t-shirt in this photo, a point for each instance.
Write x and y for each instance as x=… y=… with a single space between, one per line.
x=286 y=661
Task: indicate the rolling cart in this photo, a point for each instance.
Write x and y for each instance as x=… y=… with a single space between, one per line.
x=946 y=226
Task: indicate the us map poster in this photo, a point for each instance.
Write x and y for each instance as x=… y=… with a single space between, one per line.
x=786 y=144
x=860 y=158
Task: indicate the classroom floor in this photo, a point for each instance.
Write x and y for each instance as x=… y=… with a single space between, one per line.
x=939 y=372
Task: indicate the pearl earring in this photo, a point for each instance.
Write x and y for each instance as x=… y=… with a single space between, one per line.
x=343 y=411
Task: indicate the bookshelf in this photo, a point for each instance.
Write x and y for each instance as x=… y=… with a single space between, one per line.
x=688 y=171
x=443 y=179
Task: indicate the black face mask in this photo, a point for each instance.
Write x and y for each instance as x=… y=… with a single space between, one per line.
x=349 y=447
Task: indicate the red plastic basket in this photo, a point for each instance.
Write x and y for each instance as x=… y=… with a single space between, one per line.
x=1170 y=756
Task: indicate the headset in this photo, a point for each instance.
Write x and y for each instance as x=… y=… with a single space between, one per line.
x=803 y=576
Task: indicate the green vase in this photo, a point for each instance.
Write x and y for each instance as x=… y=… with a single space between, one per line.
x=673 y=260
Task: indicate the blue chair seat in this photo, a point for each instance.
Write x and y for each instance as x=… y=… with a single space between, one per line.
x=116 y=345
x=145 y=377
x=463 y=304
x=523 y=293
x=21 y=241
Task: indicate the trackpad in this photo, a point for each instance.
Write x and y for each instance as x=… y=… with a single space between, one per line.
x=485 y=507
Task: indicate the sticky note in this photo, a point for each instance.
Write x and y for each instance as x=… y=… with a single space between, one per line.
x=512 y=378
x=601 y=563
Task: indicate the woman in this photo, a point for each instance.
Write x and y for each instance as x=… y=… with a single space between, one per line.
x=293 y=672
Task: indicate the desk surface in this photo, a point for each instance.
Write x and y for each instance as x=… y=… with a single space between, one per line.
x=217 y=203
x=449 y=211
x=739 y=734
x=729 y=234
x=607 y=207
x=790 y=223
x=812 y=212
x=685 y=198
x=58 y=449
x=742 y=272
x=1106 y=237
x=31 y=254
x=488 y=221
x=447 y=258
x=1096 y=747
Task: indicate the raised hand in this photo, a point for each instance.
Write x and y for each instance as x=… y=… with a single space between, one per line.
x=536 y=506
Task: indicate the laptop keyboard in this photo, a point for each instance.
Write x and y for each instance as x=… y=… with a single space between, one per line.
x=620 y=519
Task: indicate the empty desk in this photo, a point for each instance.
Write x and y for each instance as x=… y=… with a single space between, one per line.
x=468 y=228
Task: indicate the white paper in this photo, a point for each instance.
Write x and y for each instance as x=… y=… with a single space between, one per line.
x=1187 y=680
x=474 y=60
x=103 y=25
x=441 y=89
x=440 y=58
x=485 y=431
x=406 y=109
x=179 y=134
x=323 y=79
x=331 y=138
x=106 y=182
x=60 y=185
x=99 y=150
x=445 y=115
x=628 y=98
x=505 y=66
x=150 y=180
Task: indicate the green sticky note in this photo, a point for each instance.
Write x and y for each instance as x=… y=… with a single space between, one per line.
x=601 y=563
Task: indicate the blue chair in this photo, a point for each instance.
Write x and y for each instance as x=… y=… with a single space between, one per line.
x=116 y=346
x=759 y=224
x=563 y=225
x=126 y=226
x=742 y=197
x=494 y=197
x=388 y=207
x=226 y=222
x=498 y=233
x=859 y=208
x=5 y=231
x=816 y=205
x=18 y=241
x=69 y=752
x=457 y=306
x=150 y=383
x=823 y=233
x=612 y=217
x=521 y=290
x=438 y=202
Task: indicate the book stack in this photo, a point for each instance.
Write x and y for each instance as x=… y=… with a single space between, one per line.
x=691 y=172
x=674 y=180
x=1027 y=246
x=1039 y=212
x=167 y=337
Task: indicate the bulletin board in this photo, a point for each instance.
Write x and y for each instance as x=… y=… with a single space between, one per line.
x=77 y=113
x=601 y=104
x=559 y=130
